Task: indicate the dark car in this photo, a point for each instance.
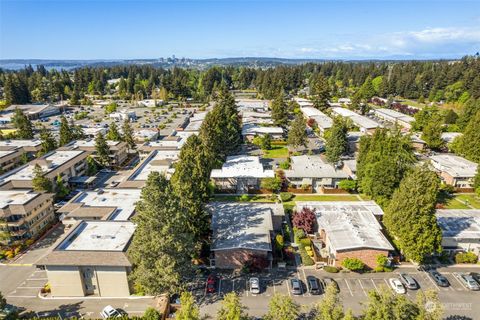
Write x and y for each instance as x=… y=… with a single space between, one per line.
x=330 y=281
x=296 y=286
x=313 y=285
x=439 y=279
x=211 y=284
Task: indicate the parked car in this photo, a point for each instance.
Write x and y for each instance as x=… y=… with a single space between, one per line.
x=211 y=284
x=328 y=281
x=408 y=281
x=475 y=276
x=296 y=286
x=468 y=281
x=110 y=312
x=397 y=285
x=254 y=285
x=313 y=285
x=438 y=278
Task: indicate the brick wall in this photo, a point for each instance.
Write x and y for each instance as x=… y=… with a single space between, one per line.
x=235 y=258
x=368 y=256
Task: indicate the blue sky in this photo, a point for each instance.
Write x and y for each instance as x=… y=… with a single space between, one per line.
x=123 y=29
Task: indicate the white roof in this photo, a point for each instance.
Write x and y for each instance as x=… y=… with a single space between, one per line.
x=193 y=126
x=177 y=143
x=6 y=153
x=242 y=167
x=90 y=143
x=448 y=137
x=393 y=114
x=459 y=223
x=454 y=165
x=251 y=104
x=20 y=143
x=55 y=159
x=358 y=120
x=253 y=129
x=349 y=224
x=123 y=199
x=156 y=161
x=312 y=167
x=99 y=236
x=15 y=197
x=322 y=120
x=94 y=130
x=149 y=134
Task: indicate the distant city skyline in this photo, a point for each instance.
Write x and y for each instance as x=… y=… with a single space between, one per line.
x=345 y=29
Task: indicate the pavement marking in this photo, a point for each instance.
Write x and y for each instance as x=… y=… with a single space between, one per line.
x=29 y=287
x=36 y=279
x=361 y=285
x=387 y=283
x=376 y=289
x=348 y=286
x=306 y=284
x=23 y=297
x=288 y=288
x=456 y=278
x=431 y=280
x=246 y=287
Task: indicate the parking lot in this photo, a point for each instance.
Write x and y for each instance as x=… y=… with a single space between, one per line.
x=354 y=288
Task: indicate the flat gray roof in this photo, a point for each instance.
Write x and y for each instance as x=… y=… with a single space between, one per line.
x=243 y=225
x=454 y=165
x=16 y=197
x=312 y=167
x=459 y=223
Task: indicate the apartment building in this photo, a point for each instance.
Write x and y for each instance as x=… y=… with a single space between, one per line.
x=454 y=170
x=91 y=260
x=24 y=214
x=30 y=147
x=118 y=149
x=66 y=163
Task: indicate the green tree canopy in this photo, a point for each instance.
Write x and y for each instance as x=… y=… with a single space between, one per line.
x=282 y=307
x=469 y=143
x=330 y=307
x=113 y=133
x=297 y=136
x=279 y=111
x=66 y=133
x=432 y=132
x=22 y=124
x=102 y=150
x=410 y=216
x=320 y=92
x=337 y=143
x=232 y=308
x=48 y=142
x=189 y=309
x=40 y=182
x=128 y=134
x=161 y=250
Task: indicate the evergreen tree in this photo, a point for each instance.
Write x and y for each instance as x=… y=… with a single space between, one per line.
x=469 y=110
x=23 y=125
x=128 y=134
x=113 y=133
x=279 y=111
x=77 y=131
x=66 y=134
x=320 y=91
x=91 y=167
x=61 y=189
x=282 y=307
x=469 y=143
x=432 y=133
x=48 y=143
x=366 y=91
x=383 y=160
x=191 y=184
x=102 y=150
x=161 y=250
x=476 y=181
x=189 y=309
x=232 y=308
x=297 y=136
x=39 y=182
x=330 y=307
x=410 y=216
x=337 y=144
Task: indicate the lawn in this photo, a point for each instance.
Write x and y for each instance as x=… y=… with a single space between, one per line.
x=276 y=152
x=244 y=198
x=471 y=199
x=453 y=203
x=327 y=197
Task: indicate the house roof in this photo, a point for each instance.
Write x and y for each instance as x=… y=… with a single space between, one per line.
x=253 y=129
x=243 y=225
x=358 y=120
x=454 y=165
x=312 y=167
x=349 y=225
x=242 y=167
x=393 y=114
x=459 y=223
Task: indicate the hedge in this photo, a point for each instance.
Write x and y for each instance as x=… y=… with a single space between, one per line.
x=466 y=257
x=330 y=269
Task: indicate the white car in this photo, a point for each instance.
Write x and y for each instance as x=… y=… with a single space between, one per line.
x=254 y=285
x=397 y=285
x=110 y=312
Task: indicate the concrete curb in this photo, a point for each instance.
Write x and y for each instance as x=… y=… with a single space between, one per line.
x=94 y=298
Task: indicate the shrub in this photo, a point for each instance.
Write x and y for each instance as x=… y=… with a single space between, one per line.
x=466 y=257
x=152 y=314
x=348 y=185
x=304 y=220
x=286 y=196
x=29 y=242
x=244 y=197
x=284 y=165
x=298 y=234
x=9 y=254
x=330 y=269
x=353 y=264
x=306 y=242
x=279 y=243
x=17 y=250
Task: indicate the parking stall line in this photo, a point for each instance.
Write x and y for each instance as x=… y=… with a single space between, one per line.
x=361 y=285
x=288 y=288
x=348 y=286
x=386 y=282
x=458 y=280
x=431 y=280
x=374 y=285
x=306 y=284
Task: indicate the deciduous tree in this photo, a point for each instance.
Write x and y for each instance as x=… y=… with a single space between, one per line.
x=232 y=308
x=189 y=309
x=282 y=307
x=304 y=219
x=330 y=307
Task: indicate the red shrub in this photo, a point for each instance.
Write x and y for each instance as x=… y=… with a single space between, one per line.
x=304 y=220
